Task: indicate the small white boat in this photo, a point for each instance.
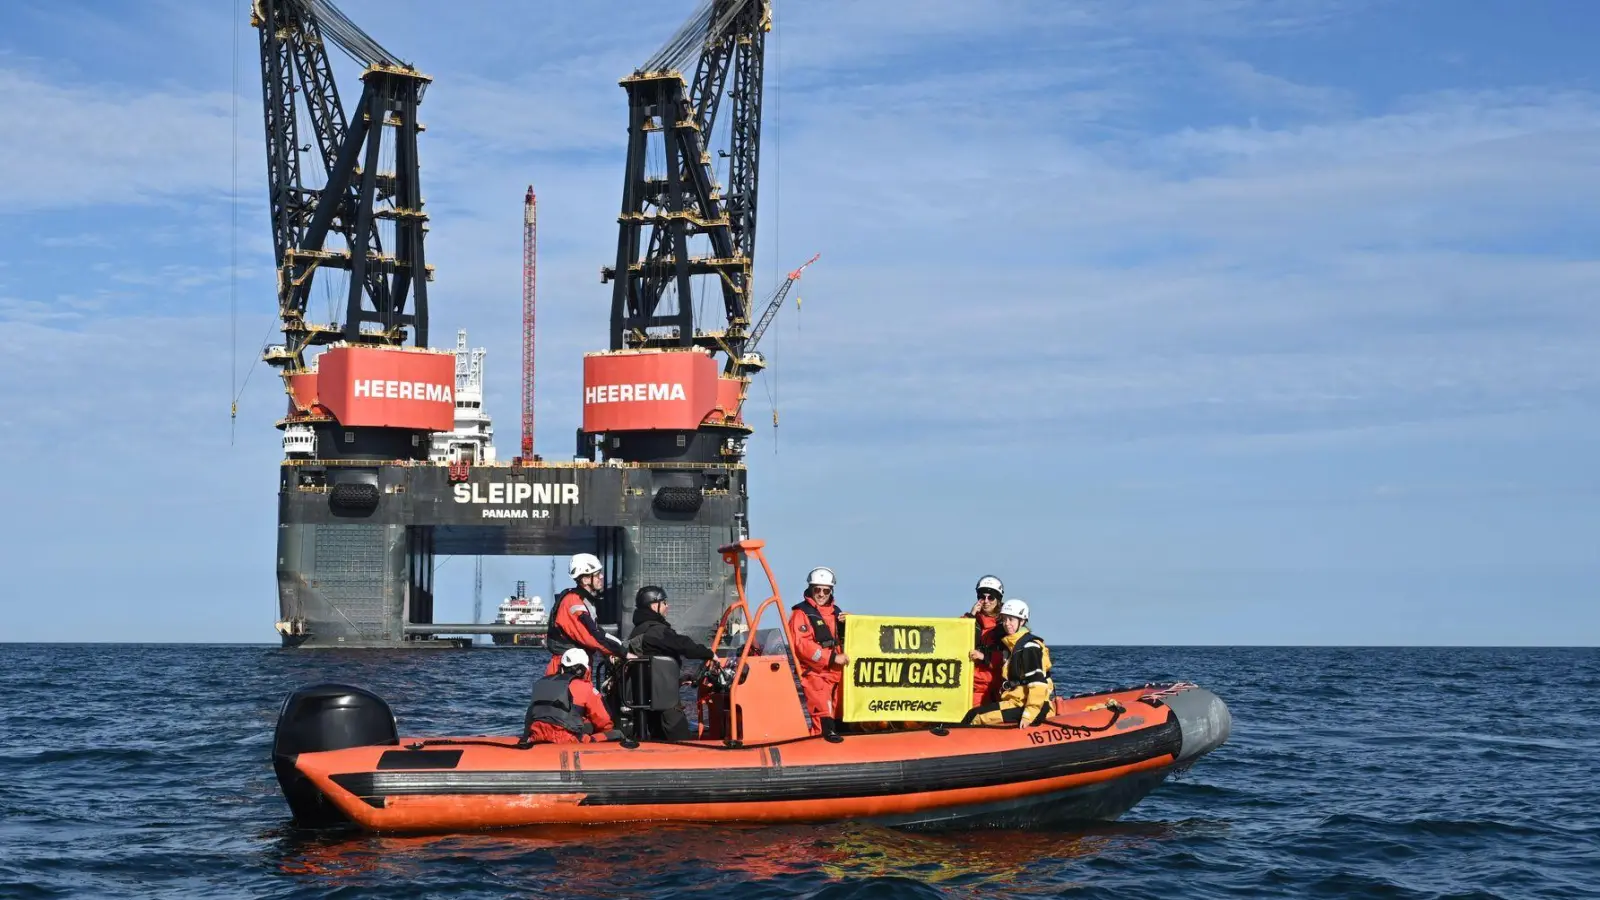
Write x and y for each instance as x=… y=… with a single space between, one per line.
x=520 y=609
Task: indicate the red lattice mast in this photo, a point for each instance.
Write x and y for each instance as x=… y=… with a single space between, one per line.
x=530 y=255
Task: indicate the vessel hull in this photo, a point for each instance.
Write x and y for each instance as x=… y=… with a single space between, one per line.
x=358 y=540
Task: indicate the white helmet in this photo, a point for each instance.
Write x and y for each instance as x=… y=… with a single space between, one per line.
x=574 y=658
x=991 y=583
x=583 y=564
x=821 y=575
x=1015 y=608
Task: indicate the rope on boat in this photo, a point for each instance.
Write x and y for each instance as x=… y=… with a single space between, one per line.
x=1117 y=709
x=456 y=742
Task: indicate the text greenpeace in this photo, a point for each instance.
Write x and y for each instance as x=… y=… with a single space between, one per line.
x=516 y=499
x=389 y=389
x=629 y=393
x=905 y=669
x=910 y=706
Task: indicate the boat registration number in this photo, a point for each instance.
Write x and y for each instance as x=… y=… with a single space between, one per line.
x=1049 y=735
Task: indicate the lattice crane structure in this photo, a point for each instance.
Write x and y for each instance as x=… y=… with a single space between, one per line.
x=686 y=222
x=335 y=221
x=530 y=281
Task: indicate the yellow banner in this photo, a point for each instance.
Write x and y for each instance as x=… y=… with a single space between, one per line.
x=905 y=669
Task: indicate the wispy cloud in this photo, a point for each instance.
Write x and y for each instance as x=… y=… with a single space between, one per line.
x=1264 y=91
x=98 y=144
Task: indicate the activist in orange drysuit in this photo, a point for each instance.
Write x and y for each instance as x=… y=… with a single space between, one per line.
x=818 y=629
x=565 y=708
x=988 y=654
x=573 y=622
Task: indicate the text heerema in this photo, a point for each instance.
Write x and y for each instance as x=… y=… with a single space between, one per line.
x=628 y=393
x=403 y=390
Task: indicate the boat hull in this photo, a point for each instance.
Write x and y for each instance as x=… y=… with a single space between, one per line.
x=530 y=641
x=1101 y=801
x=1087 y=762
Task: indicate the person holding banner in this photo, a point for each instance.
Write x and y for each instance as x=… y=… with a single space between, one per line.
x=988 y=655
x=1025 y=698
x=818 y=629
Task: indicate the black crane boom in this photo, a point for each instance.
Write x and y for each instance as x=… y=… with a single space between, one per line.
x=355 y=200
x=662 y=213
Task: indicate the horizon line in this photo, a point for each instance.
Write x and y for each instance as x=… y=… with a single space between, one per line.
x=443 y=646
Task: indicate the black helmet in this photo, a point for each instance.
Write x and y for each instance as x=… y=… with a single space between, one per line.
x=649 y=595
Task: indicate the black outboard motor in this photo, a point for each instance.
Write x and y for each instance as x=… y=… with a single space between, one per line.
x=325 y=717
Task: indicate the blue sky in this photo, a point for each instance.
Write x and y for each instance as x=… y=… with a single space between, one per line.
x=1198 y=321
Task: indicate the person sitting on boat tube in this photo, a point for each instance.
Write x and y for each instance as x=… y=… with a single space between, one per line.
x=565 y=708
x=818 y=628
x=575 y=622
x=1026 y=692
x=653 y=635
x=988 y=654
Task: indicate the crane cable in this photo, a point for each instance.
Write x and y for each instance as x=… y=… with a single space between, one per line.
x=234 y=386
x=233 y=239
x=777 y=210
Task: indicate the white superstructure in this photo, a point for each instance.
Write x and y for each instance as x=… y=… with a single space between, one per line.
x=472 y=440
x=299 y=442
x=520 y=609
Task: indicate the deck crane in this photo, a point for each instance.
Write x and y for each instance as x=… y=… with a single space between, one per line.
x=662 y=212
x=751 y=362
x=530 y=281
x=773 y=305
x=690 y=220
x=344 y=194
x=387 y=293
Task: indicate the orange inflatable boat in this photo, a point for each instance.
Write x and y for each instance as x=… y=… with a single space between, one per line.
x=339 y=757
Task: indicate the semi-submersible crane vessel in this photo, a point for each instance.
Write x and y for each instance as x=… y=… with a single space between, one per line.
x=657 y=483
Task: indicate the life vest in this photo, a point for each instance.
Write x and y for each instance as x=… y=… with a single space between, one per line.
x=1037 y=674
x=553 y=703
x=983 y=632
x=555 y=638
x=987 y=670
x=665 y=672
x=819 y=625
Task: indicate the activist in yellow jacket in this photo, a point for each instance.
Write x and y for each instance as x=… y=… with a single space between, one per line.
x=1025 y=699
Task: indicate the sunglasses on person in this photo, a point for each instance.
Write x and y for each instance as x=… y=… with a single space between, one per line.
x=987 y=594
x=821 y=590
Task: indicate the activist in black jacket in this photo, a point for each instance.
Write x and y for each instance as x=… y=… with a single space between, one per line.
x=653 y=635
